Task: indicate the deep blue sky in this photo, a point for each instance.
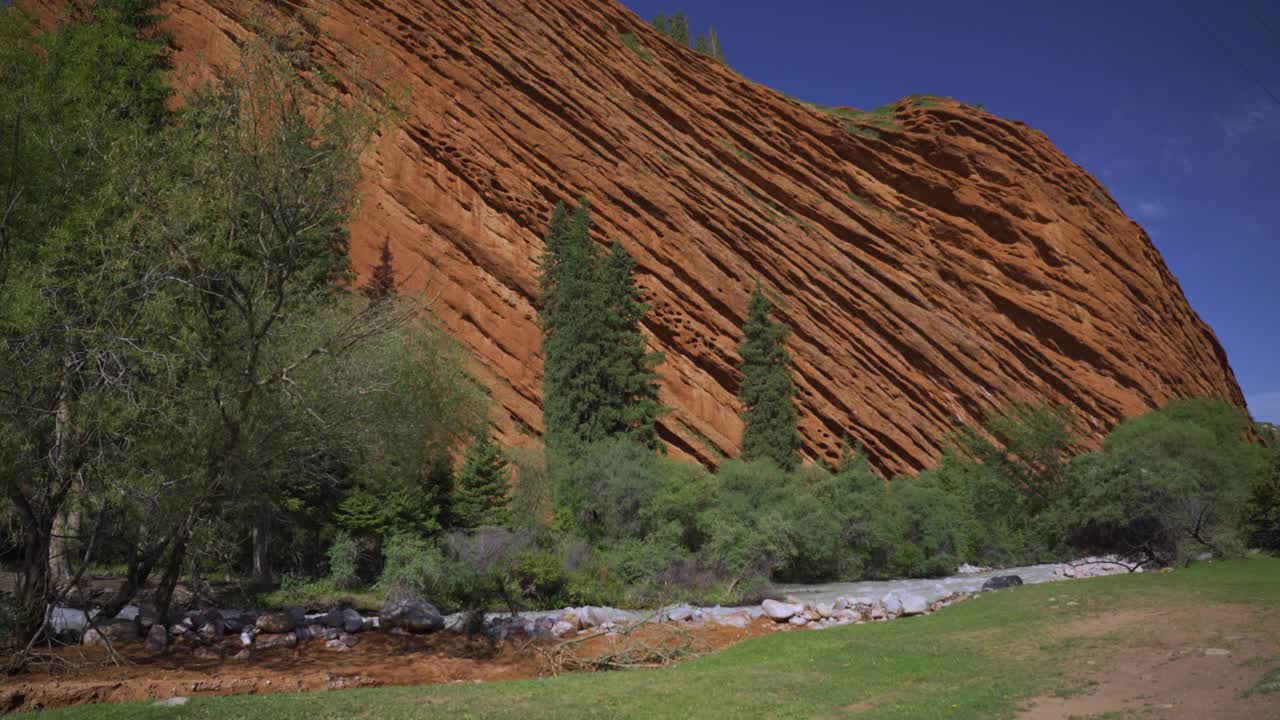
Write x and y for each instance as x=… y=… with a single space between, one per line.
x=1163 y=101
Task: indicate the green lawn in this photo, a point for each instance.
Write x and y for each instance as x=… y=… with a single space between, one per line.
x=979 y=659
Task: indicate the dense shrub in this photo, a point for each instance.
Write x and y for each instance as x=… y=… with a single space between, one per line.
x=344 y=559
x=1167 y=485
x=612 y=483
x=1262 y=512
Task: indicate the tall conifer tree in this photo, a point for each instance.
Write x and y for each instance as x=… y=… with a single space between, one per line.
x=480 y=497
x=598 y=380
x=767 y=390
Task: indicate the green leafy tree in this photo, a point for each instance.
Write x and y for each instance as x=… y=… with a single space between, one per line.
x=480 y=497
x=76 y=293
x=1167 y=484
x=766 y=389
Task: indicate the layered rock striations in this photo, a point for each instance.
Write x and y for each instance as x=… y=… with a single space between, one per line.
x=932 y=260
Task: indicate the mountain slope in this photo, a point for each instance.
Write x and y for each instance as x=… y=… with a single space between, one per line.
x=932 y=260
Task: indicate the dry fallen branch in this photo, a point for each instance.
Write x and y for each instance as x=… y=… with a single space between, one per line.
x=671 y=645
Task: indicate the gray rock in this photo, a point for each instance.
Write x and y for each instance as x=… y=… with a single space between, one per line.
x=892 y=605
x=157 y=639
x=825 y=610
x=415 y=616
x=680 y=614
x=276 y=622
x=115 y=630
x=348 y=639
x=232 y=621
x=1001 y=582
x=780 y=611
x=798 y=620
x=177 y=701
x=562 y=628
x=337 y=646
x=351 y=621
x=914 y=605
x=269 y=642
x=738 y=620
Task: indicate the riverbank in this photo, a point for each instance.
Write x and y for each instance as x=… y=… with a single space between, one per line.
x=1205 y=635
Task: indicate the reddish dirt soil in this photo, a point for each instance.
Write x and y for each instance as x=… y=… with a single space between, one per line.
x=1175 y=669
x=86 y=675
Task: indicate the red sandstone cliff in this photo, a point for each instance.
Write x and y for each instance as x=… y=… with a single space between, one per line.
x=935 y=261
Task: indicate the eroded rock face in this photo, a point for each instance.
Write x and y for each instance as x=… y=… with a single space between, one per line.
x=944 y=263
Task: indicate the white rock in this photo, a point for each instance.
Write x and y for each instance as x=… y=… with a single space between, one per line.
x=680 y=614
x=914 y=605
x=780 y=611
x=1217 y=652
x=176 y=701
x=738 y=620
x=826 y=610
x=798 y=621
x=892 y=605
x=562 y=628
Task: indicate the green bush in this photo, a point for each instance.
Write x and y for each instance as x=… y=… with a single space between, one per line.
x=1167 y=485
x=1262 y=512
x=414 y=568
x=344 y=559
x=612 y=483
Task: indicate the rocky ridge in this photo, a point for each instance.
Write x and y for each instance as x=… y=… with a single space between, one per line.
x=933 y=260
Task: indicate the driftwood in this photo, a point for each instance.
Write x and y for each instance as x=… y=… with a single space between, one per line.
x=630 y=652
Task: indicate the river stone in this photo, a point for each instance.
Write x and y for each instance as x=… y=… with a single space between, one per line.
x=1001 y=582
x=232 y=621
x=737 y=619
x=780 y=611
x=268 y=642
x=276 y=622
x=415 y=616
x=798 y=620
x=351 y=621
x=892 y=605
x=114 y=630
x=157 y=638
x=826 y=610
x=914 y=605
x=680 y=614
x=561 y=628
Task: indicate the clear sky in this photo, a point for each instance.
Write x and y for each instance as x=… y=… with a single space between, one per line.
x=1174 y=105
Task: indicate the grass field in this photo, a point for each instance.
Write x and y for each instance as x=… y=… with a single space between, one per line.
x=981 y=659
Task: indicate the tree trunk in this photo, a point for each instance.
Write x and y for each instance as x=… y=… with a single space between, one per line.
x=66 y=523
x=169 y=581
x=262 y=578
x=34 y=590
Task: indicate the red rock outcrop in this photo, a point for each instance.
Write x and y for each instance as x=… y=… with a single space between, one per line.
x=933 y=260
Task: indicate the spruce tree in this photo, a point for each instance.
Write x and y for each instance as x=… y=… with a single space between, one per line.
x=598 y=380
x=662 y=24
x=766 y=389
x=632 y=368
x=480 y=496
x=702 y=45
x=680 y=28
x=382 y=280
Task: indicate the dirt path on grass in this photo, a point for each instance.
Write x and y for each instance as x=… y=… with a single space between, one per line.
x=1188 y=664
x=76 y=675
